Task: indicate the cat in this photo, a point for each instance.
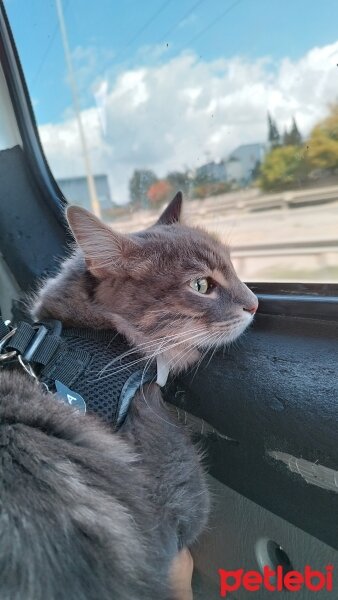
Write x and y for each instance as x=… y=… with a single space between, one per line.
x=85 y=513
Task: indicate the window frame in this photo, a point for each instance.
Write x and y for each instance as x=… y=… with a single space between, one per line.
x=23 y=109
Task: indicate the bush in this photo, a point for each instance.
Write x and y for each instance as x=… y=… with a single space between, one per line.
x=323 y=143
x=284 y=167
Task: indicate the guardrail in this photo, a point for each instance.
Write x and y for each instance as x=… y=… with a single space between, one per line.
x=321 y=250
x=286 y=248
x=291 y=200
x=254 y=201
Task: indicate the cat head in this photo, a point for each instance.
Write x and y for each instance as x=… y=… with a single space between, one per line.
x=171 y=289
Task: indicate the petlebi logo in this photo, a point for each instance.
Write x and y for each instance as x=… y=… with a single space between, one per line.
x=276 y=580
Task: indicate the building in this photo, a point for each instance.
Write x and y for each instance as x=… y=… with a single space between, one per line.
x=242 y=162
x=75 y=190
x=234 y=170
x=237 y=168
x=212 y=171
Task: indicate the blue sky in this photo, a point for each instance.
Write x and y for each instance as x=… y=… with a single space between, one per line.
x=116 y=31
x=186 y=81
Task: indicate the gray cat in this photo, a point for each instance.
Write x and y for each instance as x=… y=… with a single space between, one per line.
x=90 y=515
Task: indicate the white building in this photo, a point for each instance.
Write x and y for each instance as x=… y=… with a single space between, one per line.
x=242 y=162
x=237 y=168
x=75 y=189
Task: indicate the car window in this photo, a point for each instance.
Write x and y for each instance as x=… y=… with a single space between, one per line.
x=233 y=102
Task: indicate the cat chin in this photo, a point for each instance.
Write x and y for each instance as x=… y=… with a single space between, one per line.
x=237 y=332
x=228 y=337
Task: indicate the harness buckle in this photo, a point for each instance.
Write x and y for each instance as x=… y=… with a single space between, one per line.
x=26 y=356
x=33 y=345
x=41 y=332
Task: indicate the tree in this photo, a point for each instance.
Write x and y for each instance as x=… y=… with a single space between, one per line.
x=286 y=137
x=323 y=143
x=273 y=133
x=179 y=181
x=203 y=176
x=139 y=185
x=283 y=167
x=160 y=192
x=294 y=136
x=256 y=171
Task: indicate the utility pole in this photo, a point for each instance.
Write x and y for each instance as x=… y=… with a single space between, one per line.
x=95 y=205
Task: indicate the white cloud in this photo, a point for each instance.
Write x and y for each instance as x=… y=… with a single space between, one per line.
x=172 y=115
x=188 y=21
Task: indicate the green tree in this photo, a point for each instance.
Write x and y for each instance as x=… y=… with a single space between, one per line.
x=295 y=138
x=203 y=177
x=323 y=142
x=283 y=167
x=139 y=184
x=179 y=181
x=286 y=137
x=256 y=171
x=273 y=133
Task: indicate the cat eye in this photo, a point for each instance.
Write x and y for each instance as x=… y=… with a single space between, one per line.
x=201 y=285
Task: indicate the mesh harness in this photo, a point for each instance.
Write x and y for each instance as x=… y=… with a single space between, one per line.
x=81 y=365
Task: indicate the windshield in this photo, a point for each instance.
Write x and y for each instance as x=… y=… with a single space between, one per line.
x=232 y=102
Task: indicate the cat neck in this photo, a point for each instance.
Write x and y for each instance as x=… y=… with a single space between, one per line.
x=70 y=298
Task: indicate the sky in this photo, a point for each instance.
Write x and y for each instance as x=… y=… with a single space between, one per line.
x=181 y=82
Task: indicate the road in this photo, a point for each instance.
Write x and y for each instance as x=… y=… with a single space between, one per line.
x=283 y=225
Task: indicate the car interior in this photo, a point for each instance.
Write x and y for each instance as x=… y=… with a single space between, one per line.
x=263 y=410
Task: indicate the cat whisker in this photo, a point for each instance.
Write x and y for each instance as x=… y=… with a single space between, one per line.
x=203 y=355
x=149 y=344
x=214 y=350
x=154 y=354
x=144 y=347
x=154 y=341
x=118 y=369
x=186 y=351
x=166 y=343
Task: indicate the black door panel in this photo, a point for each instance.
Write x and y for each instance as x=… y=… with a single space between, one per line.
x=276 y=390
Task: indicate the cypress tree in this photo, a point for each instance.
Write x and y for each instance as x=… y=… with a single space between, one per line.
x=295 y=138
x=286 y=137
x=273 y=133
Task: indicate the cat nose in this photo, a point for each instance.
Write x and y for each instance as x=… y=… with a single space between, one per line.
x=252 y=308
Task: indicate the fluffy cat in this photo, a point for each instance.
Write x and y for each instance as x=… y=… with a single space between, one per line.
x=86 y=514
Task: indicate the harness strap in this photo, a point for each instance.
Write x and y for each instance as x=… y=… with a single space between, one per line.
x=66 y=360
x=42 y=345
x=35 y=343
x=66 y=366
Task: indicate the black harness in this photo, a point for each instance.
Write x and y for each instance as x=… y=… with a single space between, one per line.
x=92 y=370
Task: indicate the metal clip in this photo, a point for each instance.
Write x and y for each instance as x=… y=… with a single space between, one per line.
x=12 y=353
x=27 y=367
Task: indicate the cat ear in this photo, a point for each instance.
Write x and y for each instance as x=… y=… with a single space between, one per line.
x=172 y=213
x=102 y=247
